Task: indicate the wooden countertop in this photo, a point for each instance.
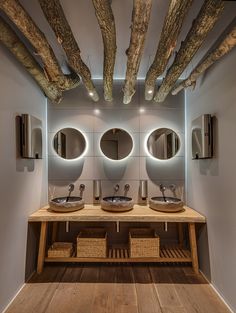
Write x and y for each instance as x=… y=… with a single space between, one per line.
x=138 y=214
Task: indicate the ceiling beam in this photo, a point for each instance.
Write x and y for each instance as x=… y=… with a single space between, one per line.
x=14 y=10
x=224 y=47
x=56 y=18
x=140 y=20
x=12 y=42
x=177 y=11
x=205 y=21
x=106 y=22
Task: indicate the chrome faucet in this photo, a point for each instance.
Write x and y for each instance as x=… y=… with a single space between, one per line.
x=71 y=188
x=162 y=189
x=127 y=187
x=116 y=188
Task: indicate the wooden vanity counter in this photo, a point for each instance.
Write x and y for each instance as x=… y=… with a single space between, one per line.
x=138 y=214
x=94 y=213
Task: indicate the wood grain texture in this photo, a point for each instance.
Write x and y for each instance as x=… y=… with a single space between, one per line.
x=15 y=11
x=54 y=13
x=193 y=246
x=12 y=42
x=205 y=21
x=140 y=20
x=224 y=47
x=138 y=214
x=170 y=31
x=42 y=247
x=106 y=22
x=119 y=289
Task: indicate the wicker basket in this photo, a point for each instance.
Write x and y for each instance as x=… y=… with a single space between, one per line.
x=60 y=250
x=143 y=243
x=92 y=243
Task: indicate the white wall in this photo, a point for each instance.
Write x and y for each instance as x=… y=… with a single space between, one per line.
x=93 y=119
x=211 y=184
x=23 y=183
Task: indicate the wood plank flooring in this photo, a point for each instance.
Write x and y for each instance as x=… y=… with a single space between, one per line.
x=97 y=288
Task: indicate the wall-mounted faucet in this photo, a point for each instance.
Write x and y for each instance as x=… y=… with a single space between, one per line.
x=116 y=188
x=126 y=187
x=81 y=189
x=162 y=189
x=70 y=189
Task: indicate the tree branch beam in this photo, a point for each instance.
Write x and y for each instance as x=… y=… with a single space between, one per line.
x=202 y=25
x=225 y=46
x=14 y=10
x=140 y=20
x=9 y=39
x=177 y=11
x=53 y=12
x=106 y=22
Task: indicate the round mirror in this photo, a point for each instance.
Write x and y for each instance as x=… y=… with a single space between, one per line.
x=116 y=144
x=69 y=143
x=163 y=143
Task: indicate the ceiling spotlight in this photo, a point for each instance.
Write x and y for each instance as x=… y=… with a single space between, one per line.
x=141 y=110
x=150 y=91
x=97 y=111
x=91 y=93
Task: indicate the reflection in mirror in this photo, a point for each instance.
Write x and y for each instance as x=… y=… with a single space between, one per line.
x=69 y=143
x=116 y=144
x=163 y=143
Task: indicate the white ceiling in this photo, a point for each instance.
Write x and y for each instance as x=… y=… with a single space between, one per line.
x=81 y=17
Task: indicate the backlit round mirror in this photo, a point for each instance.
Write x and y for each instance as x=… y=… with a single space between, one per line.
x=163 y=143
x=116 y=144
x=69 y=143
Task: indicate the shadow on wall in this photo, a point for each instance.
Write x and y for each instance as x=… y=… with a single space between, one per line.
x=31 y=249
x=203 y=248
x=21 y=164
x=114 y=170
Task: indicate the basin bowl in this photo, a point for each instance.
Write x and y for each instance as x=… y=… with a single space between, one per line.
x=66 y=204
x=171 y=205
x=117 y=204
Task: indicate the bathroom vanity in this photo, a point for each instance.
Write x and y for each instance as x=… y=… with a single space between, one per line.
x=93 y=213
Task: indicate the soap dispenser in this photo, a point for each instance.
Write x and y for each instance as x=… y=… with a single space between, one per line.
x=143 y=189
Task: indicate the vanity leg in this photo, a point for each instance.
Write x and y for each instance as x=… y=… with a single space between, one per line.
x=54 y=231
x=193 y=246
x=42 y=246
x=180 y=235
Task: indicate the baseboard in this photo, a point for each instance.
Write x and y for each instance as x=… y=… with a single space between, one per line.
x=19 y=290
x=217 y=292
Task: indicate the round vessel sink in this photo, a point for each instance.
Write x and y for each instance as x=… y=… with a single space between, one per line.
x=66 y=204
x=117 y=204
x=167 y=204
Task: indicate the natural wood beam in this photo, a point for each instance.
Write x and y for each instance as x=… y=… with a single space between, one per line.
x=140 y=20
x=14 y=10
x=53 y=11
x=9 y=38
x=225 y=46
x=201 y=26
x=167 y=43
x=106 y=22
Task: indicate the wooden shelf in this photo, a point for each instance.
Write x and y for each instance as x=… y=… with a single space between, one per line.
x=121 y=255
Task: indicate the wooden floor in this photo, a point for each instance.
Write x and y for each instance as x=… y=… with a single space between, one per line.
x=117 y=289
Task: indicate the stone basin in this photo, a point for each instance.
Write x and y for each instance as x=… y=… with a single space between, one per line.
x=167 y=204
x=117 y=204
x=66 y=204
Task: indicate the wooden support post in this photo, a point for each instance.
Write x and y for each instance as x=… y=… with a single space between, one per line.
x=54 y=231
x=42 y=246
x=180 y=234
x=193 y=246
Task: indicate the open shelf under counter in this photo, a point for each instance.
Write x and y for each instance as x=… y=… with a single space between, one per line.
x=121 y=255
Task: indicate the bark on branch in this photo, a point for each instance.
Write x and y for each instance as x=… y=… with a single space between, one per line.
x=54 y=13
x=204 y=22
x=169 y=35
x=106 y=22
x=225 y=46
x=26 y=25
x=140 y=20
x=9 y=38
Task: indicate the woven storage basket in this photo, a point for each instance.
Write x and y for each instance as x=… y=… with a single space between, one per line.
x=92 y=243
x=143 y=242
x=60 y=249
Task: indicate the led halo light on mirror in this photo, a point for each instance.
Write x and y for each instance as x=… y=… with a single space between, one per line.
x=69 y=143
x=163 y=144
x=116 y=144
